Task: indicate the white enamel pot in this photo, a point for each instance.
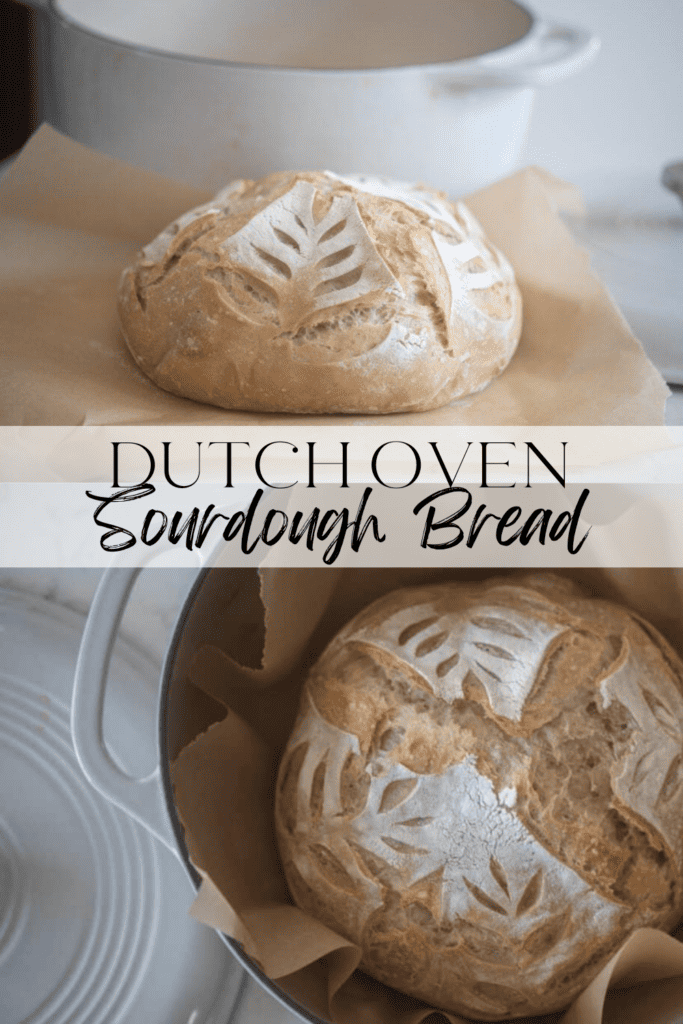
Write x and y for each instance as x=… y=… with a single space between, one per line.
x=149 y=800
x=439 y=91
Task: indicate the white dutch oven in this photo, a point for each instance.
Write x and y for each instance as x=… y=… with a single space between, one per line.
x=149 y=800
x=437 y=91
x=217 y=599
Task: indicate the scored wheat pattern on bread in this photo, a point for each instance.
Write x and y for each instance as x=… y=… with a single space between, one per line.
x=457 y=235
x=504 y=652
x=488 y=779
x=305 y=292
x=391 y=838
x=307 y=264
x=390 y=850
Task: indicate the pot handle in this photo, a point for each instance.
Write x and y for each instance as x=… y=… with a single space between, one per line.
x=142 y=799
x=554 y=52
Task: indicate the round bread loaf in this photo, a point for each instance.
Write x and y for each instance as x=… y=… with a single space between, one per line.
x=483 y=790
x=311 y=293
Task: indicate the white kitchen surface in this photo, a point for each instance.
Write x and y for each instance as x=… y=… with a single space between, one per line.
x=94 y=923
x=633 y=229
x=181 y=968
x=624 y=111
x=610 y=130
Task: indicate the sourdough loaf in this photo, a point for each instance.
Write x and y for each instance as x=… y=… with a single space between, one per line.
x=483 y=790
x=310 y=293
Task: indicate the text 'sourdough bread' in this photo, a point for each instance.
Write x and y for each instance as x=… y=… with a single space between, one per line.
x=308 y=292
x=484 y=791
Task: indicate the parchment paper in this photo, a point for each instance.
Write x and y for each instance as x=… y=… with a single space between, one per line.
x=71 y=219
x=224 y=777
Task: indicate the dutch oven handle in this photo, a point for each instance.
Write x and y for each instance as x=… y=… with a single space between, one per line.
x=558 y=51
x=143 y=798
x=552 y=53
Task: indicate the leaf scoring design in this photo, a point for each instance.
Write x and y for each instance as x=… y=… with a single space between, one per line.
x=498 y=873
x=531 y=894
x=279 y=266
x=332 y=869
x=289 y=779
x=340 y=283
x=334 y=230
x=328 y=263
x=673 y=780
x=643 y=766
x=541 y=940
x=488 y=671
x=254 y=299
x=395 y=793
x=375 y=866
x=317 y=789
x=354 y=785
x=665 y=718
x=287 y=239
x=482 y=898
x=416 y=627
x=444 y=667
x=290 y=775
x=400 y=847
x=431 y=643
x=495 y=652
x=336 y=257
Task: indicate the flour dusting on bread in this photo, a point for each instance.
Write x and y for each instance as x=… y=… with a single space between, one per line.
x=309 y=292
x=484 y=791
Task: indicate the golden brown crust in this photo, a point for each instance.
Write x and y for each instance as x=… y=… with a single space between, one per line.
x=484 y=791
x=304 y=293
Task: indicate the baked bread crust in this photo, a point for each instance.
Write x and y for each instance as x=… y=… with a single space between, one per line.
x=311 y=293
x=484 y=791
